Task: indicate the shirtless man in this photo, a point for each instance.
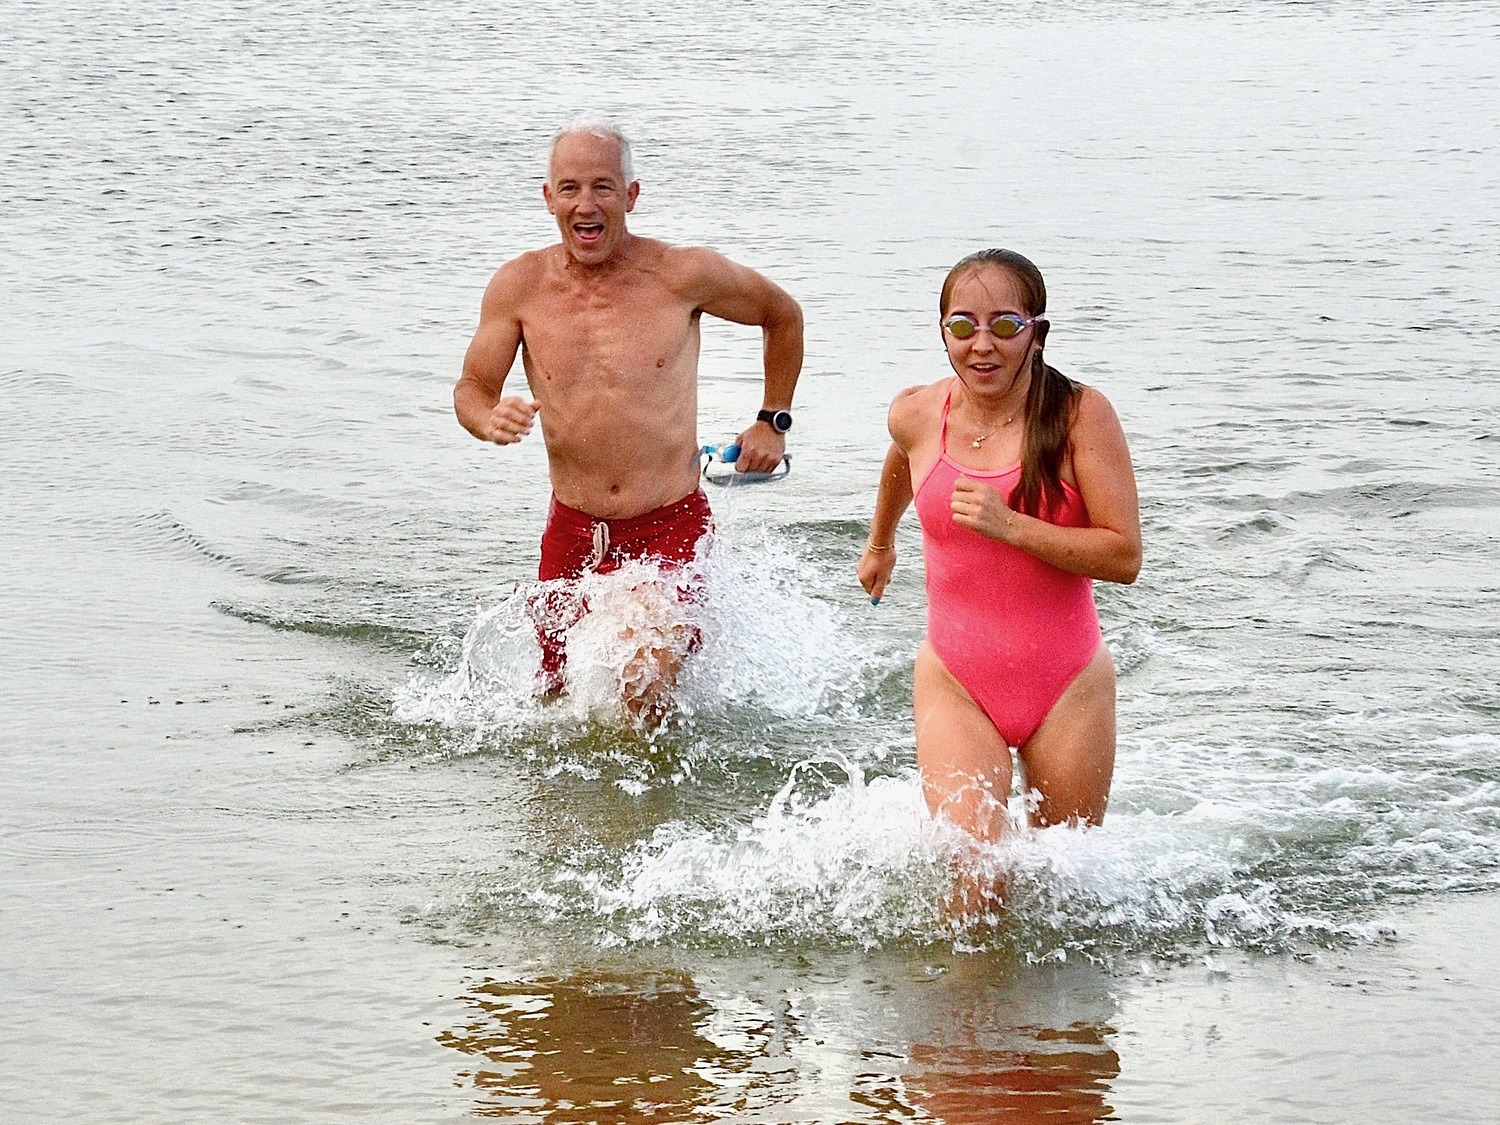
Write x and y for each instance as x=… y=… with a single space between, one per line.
x=607 y=324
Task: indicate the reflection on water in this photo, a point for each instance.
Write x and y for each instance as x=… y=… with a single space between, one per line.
x=958 y=1042
x=591 y=1047
x=1015 y=1045
x=1053 y=1074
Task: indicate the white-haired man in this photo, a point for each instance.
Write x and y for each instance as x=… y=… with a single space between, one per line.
x=607 y=324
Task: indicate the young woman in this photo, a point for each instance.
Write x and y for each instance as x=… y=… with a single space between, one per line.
x=1025 y=491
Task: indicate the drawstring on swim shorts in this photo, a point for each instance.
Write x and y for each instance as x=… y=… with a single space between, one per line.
x=601 y=546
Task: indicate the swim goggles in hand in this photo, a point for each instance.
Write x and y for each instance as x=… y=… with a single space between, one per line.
x=725 y=457
x=961 y=325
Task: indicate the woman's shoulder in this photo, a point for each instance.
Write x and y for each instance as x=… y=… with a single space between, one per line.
x=914 y=395
x=1096 y=430
x=916 y=407
x=1091 y=409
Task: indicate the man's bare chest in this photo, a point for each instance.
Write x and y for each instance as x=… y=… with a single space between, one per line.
x=617 y=339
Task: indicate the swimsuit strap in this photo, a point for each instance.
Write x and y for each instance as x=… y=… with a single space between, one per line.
x=943 y=421
x=942 y=441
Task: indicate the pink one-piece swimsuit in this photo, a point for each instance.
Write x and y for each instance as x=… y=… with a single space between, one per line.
x=1014 y=631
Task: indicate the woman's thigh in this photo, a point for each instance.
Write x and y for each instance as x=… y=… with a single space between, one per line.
x=1070 y=760
x=964 y=762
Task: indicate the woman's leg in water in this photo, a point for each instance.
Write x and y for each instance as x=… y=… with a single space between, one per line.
x=1070 y=760
x=964 y=761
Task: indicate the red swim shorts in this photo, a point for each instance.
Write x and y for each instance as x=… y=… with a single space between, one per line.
x=574 y=543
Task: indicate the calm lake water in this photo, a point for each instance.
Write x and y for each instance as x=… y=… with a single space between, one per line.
x=282 y=837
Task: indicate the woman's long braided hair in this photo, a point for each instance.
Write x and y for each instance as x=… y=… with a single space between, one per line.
x=1051 y=398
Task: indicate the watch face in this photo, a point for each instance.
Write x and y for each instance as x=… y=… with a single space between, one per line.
x=778 y=420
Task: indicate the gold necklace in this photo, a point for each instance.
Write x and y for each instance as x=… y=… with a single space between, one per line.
x=981 y=438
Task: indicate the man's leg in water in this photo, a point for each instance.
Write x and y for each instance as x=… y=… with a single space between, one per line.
x=566 y=547
x=669 y=536
x=575 y=543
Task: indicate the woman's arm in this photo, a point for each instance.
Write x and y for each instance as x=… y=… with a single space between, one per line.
x=906 y=422
x=1110 y=548
x=891 y=501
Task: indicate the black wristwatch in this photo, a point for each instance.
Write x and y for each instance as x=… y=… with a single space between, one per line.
x=779 y=420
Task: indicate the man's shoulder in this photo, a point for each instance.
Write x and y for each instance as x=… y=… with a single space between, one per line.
x=525 y=267
x=675 y=261
x=696 y=274
x=519 y=277
x=685 y=260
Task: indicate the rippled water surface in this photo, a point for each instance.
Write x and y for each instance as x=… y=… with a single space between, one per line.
x=284 y=837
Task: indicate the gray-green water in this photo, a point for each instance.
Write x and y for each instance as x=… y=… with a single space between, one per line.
x=266 y=858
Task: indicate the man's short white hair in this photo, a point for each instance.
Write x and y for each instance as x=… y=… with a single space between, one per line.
x=605 y=131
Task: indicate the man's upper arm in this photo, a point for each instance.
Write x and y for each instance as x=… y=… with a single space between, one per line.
x=734 y=292
x=493 y=349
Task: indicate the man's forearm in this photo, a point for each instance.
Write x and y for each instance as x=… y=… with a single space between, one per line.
x=783 y=359
x=472 y=402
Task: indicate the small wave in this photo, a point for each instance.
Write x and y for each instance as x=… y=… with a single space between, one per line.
x=364 y=632
x=165 y=528
x=163 y=531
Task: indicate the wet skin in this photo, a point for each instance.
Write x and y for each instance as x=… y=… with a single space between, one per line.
x=965 y=763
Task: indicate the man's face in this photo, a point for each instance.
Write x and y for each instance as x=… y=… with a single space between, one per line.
x=586 y=192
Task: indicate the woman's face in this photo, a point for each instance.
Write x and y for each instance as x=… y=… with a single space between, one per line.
x=986 y=362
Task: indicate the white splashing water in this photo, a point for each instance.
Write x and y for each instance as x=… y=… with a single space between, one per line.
x=866 y=865
x=1249 y=846
x=791 y=663
x=863 y=863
